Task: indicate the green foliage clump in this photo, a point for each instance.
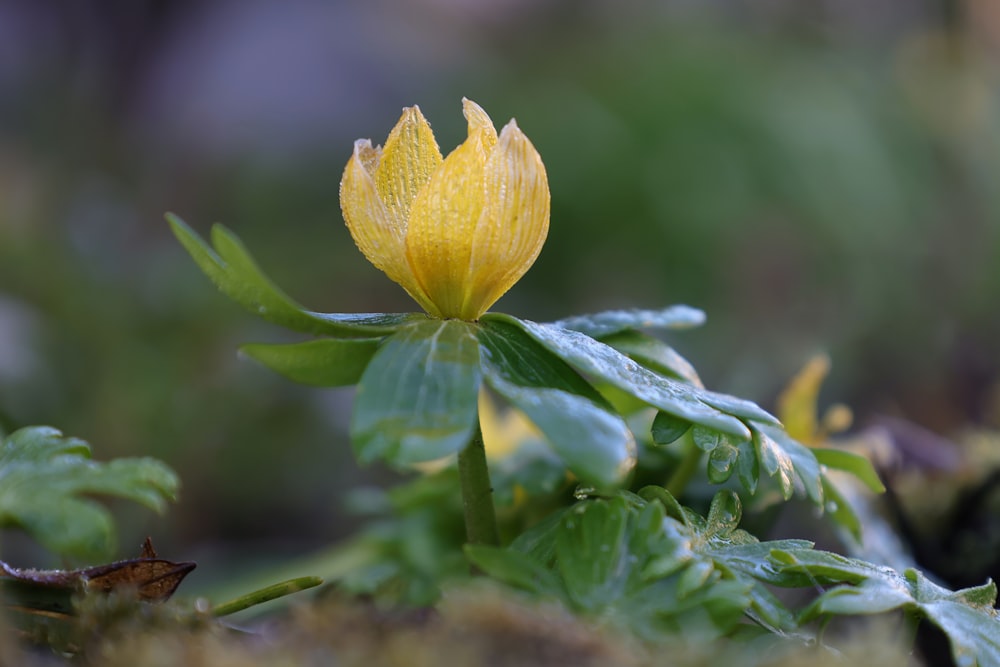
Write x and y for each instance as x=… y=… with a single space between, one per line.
x=45 y=481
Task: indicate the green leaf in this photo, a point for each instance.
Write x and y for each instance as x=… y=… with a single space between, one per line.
x=748 y=466
x=668 y=428
x=600 y=361
x=724 y=514
x=614 y=321
x=516 y=357
x=45 y=481
x=823 y=567
x=654 y=354
x=775 y=461
x=539 y=541
x=514 y=568
x=594 y=442
x=415 y=545
x=653 y=567
x=417 y=399
x=233 y=270
x=708 y=439
x=325 y=362
x=722 y=463
x=967 y=617
x=592 y=553
x=840 y=509
x=806 y=466
x=670 y=504
x=859 y=466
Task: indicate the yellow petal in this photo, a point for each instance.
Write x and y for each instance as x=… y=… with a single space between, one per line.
x=444 y=216
x=409 y=158
x=377 y=230
x=479 y=121
x=513 y=224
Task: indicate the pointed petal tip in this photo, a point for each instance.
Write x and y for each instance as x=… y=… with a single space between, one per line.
x=412 y=112
x=365 y=155
x=479 y=120
x=512 y=131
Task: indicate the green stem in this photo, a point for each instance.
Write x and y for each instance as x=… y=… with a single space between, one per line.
x=685 y=470
x=272 y=592
x=477 y=494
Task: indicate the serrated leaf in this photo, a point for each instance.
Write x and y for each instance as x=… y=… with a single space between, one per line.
x=233 y=270
x=748 y=466
x=724 y=514
x=708 y=439
x=722 y=463
x=622 y=559
x=654 y=354
x=610 y=322
x=519 y=359
x=840 y=509
x=984 y=596
x=967 y=617
x=597 y=360
x=754 y=559
x=417 y=399
x=855 y=464
x=539 y=541
x=594 y=442
x=668 y=428
x=592 y=554
x=670 y=504
x=45 y=481
x=824 y=567
x=514 y=568
x=974 y=634
x=694 y=577
x=775 y=461
x=325 y=362
x=739 y=407
x=807 y=468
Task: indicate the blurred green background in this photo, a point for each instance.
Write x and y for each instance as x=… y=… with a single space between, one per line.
x=816 y=176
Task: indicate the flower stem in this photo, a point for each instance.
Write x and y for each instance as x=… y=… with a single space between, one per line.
x=477 y=494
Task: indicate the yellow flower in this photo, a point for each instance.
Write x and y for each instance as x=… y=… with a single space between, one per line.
x=456 y=232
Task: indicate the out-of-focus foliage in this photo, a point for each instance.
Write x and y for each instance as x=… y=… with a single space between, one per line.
x=812 y=195
x=810 y=177
x=45 y=479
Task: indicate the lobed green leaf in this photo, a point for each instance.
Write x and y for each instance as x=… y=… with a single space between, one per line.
x=967 y=617
x=45 y=483
x=417 y=398
x=668 y=428
x=233 y=270
x=597 y=360
x=654 y=354
x=611 y=322
x=593 y=441
x=855 y=464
